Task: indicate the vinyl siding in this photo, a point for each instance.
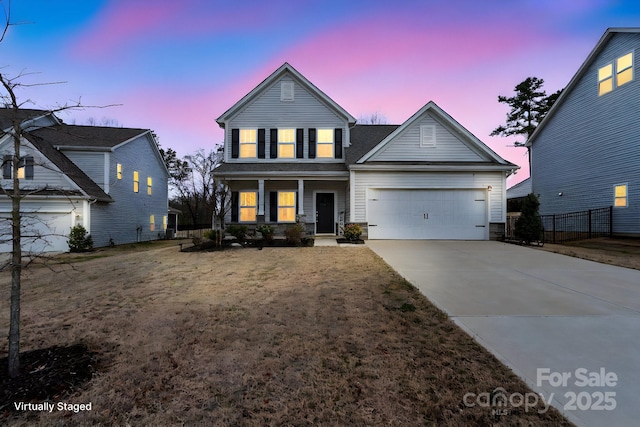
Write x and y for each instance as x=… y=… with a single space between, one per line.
x=266 y=111
x=406 y=146
x=431 y=180
x=130 y=211
x=592 y=143
x=91 y=163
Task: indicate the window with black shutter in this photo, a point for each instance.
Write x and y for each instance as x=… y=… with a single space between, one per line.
x=273 y=144
x=299 y=143
x=235 y=143
x=234 y=206
x=261 y=143
x=337 y=143
x=312 y=143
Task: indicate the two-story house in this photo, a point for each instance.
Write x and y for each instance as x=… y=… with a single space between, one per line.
x=292 y=154
x=112 y=181
x=585 y=154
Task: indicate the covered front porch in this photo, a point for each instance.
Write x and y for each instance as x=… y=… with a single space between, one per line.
x=320 y=205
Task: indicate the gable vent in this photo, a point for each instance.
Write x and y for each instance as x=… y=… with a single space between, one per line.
x=286 y=91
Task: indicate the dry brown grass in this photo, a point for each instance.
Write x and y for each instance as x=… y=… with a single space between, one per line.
x=282 y=336
x=623 y=252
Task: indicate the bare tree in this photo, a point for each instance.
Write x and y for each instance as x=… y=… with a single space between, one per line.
x=376 y=118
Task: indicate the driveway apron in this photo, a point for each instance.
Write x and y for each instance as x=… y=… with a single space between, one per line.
x=569 y=327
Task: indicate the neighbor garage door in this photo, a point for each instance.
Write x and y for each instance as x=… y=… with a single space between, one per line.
x=427 y=214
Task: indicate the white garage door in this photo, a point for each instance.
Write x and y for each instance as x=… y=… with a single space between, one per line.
x=41 y=232
x=427 y=214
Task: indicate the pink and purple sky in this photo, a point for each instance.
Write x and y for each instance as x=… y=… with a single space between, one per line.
x=175 y=66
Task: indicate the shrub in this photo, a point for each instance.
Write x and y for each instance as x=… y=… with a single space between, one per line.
x=79 y=240
x=266 y=231
x=352 y=231
x=293 y=234
x=237 y=231
x=211 y=234
x=528 y=226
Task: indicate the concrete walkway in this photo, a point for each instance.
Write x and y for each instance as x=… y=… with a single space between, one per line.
x=559 y=322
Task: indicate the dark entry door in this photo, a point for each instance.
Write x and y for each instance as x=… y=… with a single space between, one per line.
x=325 y=222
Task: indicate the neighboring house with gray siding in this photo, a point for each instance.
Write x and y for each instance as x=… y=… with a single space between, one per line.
x=113 y=181
x=292 y=154
x=586 y=153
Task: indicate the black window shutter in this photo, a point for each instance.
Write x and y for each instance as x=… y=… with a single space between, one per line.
x=273 y=144
x=312 y=143
x=299 y=143
x=7 y=164
x=337 y=143
x=235 y=143
x=261 y=143
x=234 y=206
x=273 y=206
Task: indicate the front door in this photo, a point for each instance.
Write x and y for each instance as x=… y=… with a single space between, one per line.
x=325 y=222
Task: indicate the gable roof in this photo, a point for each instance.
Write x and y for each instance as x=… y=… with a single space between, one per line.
x=23 y=114
x=87 y=137
x=68 y=168
x=431 y=107
x=284 y=69
x=606 y=37
x=364 y=138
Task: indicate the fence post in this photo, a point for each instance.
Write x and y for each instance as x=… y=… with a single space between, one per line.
x=554 y=228
x=589 y=223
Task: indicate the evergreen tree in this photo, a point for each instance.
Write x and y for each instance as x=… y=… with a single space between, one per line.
x=528 y=226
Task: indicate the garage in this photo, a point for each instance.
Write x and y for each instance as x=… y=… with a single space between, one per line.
x=456 y=214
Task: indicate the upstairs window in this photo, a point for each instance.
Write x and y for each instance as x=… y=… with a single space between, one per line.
x=248 y=206
x=325 y=143
x=248 y=139
x=428 y=136
x=25 y=167
x=621 y=69
x=119 y=170
x=136 y=181
x=149 y=185
x=620 y=196
x=286 y=143
x=286 y=91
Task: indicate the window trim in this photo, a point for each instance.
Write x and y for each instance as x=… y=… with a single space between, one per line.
x=610 y=81
x=152 y=222
x=625 y=197
x=424 y=135
x=619 y=72
x=242 y=206
x=119 y=170
x=247 y=143
x=291 y=144
x=319 y=143
x=287 y=91
x=136 y=181
x=149 y=186
x=279 y=206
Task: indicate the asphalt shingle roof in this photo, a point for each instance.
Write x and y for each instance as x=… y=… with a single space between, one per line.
x=86 y=136
x=364 y=138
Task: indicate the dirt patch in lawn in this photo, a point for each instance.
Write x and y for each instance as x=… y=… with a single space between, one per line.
x=281 y=336
x=623 y=252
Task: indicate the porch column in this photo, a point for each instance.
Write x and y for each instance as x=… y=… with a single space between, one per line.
x=300 y=197
x=261 y=197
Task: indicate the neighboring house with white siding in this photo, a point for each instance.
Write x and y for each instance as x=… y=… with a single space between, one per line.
x=292 y=154
x=585 y=154
x=113 y=181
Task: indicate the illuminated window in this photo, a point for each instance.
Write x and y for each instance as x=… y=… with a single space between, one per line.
x=152 y=222
x=164 y=222
x=25 y=168
x=286 y=91
x=428 y=136
x=247 y=143
x=325 y=143
x=248 y=206
x=149 y=185
x=286 y=143
x=119 y=170
x=605 y=79
x=136 y=181
x=620 y=196
x=624 y=69
x=623 y=73
x=286 y=206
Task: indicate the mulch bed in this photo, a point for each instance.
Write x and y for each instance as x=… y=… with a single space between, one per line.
x=47 y=375
x=353 y=242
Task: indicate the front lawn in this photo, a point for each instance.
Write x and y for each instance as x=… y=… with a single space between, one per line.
x=279 y=336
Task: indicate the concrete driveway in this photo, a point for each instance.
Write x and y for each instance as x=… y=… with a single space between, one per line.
x=569 y=327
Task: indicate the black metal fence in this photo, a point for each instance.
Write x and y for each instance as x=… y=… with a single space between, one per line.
x=566 y=227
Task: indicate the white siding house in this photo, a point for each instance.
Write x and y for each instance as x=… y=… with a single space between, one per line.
x=428 y=178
